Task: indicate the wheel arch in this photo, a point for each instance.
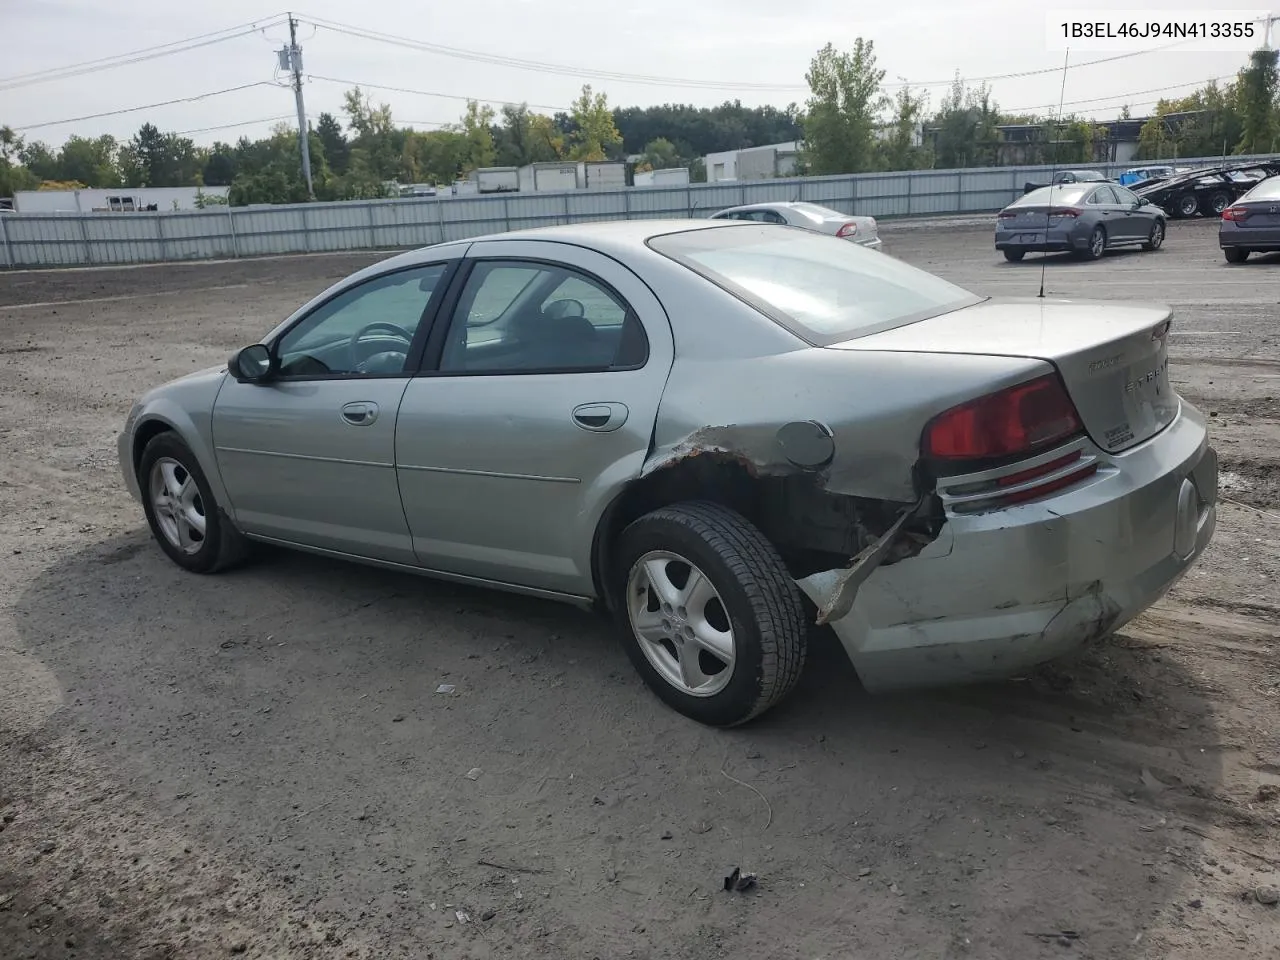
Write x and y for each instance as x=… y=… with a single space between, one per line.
x=164 y=416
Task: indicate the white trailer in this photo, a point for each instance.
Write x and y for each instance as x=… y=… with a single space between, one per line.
x=606 y=175
x=670 y=177
x=497 y=179
x=553 y=175
x=113 y=199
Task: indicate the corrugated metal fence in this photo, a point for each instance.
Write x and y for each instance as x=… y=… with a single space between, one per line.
x=75 y=239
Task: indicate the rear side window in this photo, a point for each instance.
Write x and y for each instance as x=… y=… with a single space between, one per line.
x=823 y=289
x=1268 y=189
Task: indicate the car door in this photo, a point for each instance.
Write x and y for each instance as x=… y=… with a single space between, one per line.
x=1137 y=219
x=1102 y=203
x=548 y=372
x=308 y=456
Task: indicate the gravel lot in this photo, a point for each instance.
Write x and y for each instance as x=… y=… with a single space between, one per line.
x=258 y=764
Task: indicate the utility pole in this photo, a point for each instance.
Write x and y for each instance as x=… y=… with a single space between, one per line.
x=291 y=59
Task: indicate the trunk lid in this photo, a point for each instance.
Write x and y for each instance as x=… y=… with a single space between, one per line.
x=1113 y=358
x=1262 y=213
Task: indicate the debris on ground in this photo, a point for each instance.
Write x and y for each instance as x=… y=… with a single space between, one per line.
x=446 y=688
x=739 y=881
x=474 y=773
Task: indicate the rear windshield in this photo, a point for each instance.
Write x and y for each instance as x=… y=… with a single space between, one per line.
x=820 y=213
x=1268 y=189
x=823 y=289
x=1067 y=193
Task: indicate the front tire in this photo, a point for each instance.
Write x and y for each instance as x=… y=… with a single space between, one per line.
x=709 y=615
x=1235 y=254
x=1014 y=254
x=1156 y=237
x=184 y=517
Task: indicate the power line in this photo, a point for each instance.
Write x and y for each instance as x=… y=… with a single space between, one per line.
x=231 y=126
x=146 y=106
x=429 y=93
x=1120 y=97
x=563 y=69
x=136 y=56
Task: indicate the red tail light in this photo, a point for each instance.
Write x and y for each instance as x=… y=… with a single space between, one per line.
x=1065 y=212
x=847 y=230
x=1018 y=420
x=1238 y=214
x=1006 y=216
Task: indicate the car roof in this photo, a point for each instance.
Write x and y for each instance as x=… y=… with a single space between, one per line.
x=613 y=237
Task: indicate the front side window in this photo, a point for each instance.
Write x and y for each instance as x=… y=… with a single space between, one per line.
x=516 y=317
x=821 y=288
x=363 y=331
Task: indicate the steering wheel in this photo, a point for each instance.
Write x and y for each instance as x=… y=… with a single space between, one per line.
x=400 y=333
x=568 y=307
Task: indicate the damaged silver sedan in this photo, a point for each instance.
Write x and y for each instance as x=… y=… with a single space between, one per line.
x=721 y=433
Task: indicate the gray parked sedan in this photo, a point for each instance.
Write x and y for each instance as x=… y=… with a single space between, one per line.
x=698 y=425
x=1085 y=219
x=1252 y=223
x=809 y=216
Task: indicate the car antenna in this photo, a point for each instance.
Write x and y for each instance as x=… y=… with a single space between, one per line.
x=1053 y=169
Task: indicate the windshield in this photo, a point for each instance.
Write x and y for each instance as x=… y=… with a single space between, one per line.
x=823 y=289
x=1067 y=193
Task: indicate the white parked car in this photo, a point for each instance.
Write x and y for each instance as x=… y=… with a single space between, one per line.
x=810 y=216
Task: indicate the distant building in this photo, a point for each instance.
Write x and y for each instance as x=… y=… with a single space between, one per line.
x=765 y=162
x=115 y=199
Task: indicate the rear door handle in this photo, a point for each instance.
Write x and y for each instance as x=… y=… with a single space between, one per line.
x=600 y=417
x=361 y=413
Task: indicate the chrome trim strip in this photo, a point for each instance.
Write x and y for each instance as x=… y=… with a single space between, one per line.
x=1080 y=466
x=1039 y=460
x=303 y=456
x=487 y=473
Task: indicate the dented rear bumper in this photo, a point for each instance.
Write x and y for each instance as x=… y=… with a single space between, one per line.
x=1002 y=591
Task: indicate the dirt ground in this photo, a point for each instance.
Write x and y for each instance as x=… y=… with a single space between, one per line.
x=258 y=764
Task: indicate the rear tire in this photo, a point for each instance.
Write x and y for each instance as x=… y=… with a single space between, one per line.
x=184 y=517
x=1187 y=205
x=1215 y=203
x=1235 y=254
x=1097 y=245
x=752 y=608
x=1014 y=254
x=1156 y=237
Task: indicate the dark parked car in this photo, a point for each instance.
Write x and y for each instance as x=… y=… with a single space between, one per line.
x=1083 y=218
x=1252 y=223
x=1208 y=191
x=1067 y=176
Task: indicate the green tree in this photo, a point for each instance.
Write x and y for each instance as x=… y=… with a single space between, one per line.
x=966 y=128
x=40 y=160
x=902 y=148
x=660 y=154
x=220 y=166
x=840 y=120
x=336 y=149
x=594 y=136
x=92 y=162
x=13 y=175
x=477 y=137
x=1256 y=103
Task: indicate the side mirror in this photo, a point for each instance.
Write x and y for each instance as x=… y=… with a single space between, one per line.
x=251 y=364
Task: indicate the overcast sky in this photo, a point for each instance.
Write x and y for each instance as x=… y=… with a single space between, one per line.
x=716 y=41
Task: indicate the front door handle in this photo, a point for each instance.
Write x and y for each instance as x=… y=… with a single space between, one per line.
x=600 y=417
x=361 y=413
